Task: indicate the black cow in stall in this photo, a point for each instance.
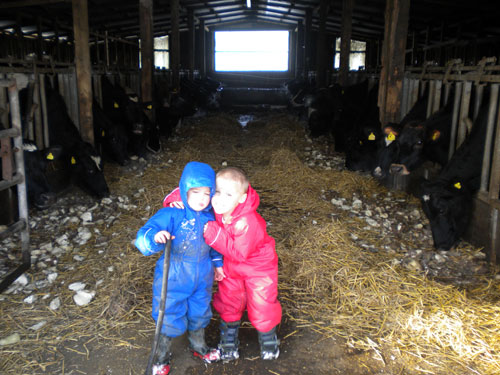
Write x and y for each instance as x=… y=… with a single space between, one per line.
x=110 y=139
x=322 y=110
x=298 y=91
x=125 y=110
x=363 y=135
x=447 y=200
x=80 y=158
x=423 y=140
x=38 y=190
x=388 y=149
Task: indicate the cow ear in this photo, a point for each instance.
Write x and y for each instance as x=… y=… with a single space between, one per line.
x=435 y=135
x=371 y=136
x=115 y=105
x=73 y=160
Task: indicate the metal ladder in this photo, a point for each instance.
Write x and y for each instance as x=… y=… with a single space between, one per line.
x=15 y=176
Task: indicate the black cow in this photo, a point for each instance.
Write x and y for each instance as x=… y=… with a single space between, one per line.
x=79 y=157
x=110 y=138
x=125 y=110
x=39 y=192
x=323 y=110
x=388 y=152
x=447 y=200
x=363 y=134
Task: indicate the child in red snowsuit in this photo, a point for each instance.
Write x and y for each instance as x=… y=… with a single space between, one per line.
x=250 y=264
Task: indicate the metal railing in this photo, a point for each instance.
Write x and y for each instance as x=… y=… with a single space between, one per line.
x=14 y=174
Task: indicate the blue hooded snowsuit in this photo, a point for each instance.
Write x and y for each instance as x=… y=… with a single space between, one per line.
x=191 y=273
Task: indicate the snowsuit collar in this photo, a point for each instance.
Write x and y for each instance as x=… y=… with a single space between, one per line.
x=196 y=174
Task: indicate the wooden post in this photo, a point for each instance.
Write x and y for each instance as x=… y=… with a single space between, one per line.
x=345 y=41
x=83 y=70
x=202 y=49
x=40 y=38
x=191 y=42
x=321 y=46
x=307 y=42
x=147 y=57
x=299 y=55
x=174 y=42
x=393 y=59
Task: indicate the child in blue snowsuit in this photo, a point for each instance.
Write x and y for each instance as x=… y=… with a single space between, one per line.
x=192 y=263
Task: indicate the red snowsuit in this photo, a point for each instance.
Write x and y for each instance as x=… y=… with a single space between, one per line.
x=250 y=265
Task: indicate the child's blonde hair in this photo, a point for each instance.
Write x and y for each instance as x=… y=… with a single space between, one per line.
x=235 y=174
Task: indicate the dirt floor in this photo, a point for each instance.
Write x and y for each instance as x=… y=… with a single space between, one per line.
x=114 y=333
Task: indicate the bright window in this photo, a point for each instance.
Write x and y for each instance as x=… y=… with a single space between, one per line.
x=251 y=51
x=356 y=56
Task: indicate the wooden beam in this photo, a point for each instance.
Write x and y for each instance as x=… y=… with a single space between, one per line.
x=307 y=41
x=147 y=53
x=345 y=41
x=174 y=44
x=27 y=3
x=191 y=41
x=321 y=46
x=393 y=60
x=83 y=69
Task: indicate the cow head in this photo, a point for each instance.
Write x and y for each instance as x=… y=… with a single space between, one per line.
x=88 y=169
x=387 y=151
x=448 y=207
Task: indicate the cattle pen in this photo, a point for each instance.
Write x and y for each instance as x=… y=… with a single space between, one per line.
x=370 y=130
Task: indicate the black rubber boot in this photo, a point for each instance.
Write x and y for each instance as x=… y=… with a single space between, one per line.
x=162 y=364
x=200 y=348
x=229 y=342
x=269 y=344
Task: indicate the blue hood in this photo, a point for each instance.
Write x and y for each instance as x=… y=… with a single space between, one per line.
x=196 y=174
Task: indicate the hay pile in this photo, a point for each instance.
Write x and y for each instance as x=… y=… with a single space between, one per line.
x=361 y=297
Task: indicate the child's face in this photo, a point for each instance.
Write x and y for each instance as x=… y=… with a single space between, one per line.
x=198 y=198
x=228 y=194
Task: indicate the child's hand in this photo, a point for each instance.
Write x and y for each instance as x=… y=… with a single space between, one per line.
x=219 y=274
x=177 y=204
x=163 y=236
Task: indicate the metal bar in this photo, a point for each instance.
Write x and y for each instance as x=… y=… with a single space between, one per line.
x=16 y=179
x=11 y=132
x=437 y=96
x=404 y=98
x=478 y=100
x=10 y=278
x=45 y=120
x=454 y=119
x=492 y=110
x=464 y=113
x=13 y=228
x=430 y=100
x=495 y=165
x=22 y=198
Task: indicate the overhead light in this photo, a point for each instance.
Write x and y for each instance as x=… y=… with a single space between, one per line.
x=249 y=3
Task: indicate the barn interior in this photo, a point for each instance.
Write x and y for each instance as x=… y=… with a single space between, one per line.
x=363 y=285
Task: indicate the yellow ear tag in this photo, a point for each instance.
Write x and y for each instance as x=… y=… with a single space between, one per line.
x=149 y=107
x=458 y=185
x=435 y=135
x=360 y=142
x=73 y=160
x=371 y=137
x=50 y=156
x=391 y=137
x=102 y=134
x=115 y=104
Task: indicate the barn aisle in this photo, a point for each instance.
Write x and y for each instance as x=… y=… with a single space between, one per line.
x=362 y=288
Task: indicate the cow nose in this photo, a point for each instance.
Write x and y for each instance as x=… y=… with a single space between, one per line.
x=138 y=128
x=377 y=172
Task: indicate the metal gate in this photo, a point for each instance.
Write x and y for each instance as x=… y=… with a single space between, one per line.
x=13 y=174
